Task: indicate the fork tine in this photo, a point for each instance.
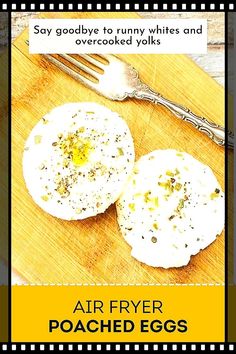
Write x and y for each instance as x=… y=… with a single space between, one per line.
x=70 y=72
x=93 y=61
x=108 y=57
x=81 y=66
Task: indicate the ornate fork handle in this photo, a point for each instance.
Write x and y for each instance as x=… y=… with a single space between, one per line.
x=214 y=131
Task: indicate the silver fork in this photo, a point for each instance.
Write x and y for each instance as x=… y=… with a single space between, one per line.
x=120 y=80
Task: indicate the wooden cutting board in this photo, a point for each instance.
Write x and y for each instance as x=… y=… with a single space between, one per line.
x=48 y=250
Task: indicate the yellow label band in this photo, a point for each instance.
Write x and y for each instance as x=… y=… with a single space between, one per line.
x=118 y=313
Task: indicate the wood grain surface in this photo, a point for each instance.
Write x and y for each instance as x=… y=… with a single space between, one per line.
x=49 y=250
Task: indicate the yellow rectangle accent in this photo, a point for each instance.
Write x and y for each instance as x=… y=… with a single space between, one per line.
x=201 y=306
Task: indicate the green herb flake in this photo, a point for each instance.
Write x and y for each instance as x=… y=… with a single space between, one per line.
x=178 y=186
x=177 y=171
x=147 y=197
x=156 y=201
x=81 y=130
x=214 y=195
x=167 y=185
x=44 y=198
x=120 y=151
x=37 y=139
x=169 y=173
x=137 y=195
x=132 y=206
x=180 y=205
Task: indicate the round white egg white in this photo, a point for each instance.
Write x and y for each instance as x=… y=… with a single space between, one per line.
x=99 y=181
x=147 y=223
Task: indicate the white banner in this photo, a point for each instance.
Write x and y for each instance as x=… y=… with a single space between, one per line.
x=129 y=36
